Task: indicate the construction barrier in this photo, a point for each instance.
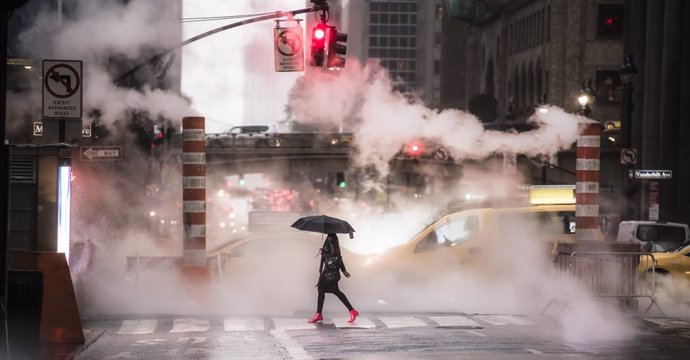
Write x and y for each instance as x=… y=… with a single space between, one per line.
x=604 y=274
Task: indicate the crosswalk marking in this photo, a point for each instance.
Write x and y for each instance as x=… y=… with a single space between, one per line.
x=190 y=325
x=138 y=327
x=502 y=320
x=293 y=324
x=449 y=321
x=360 y=323
x=401 y=322
x=243 y=324
x=668 y=322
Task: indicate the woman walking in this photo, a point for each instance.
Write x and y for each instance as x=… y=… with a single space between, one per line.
x=329 y=275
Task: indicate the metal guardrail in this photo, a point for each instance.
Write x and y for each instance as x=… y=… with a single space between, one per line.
x=604 y=275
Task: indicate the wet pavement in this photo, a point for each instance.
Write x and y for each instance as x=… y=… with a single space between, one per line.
x=375 y=336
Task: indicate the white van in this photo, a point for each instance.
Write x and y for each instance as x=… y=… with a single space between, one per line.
x=653 y=236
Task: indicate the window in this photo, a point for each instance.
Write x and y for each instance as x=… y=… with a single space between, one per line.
x=660 y=238
x=608 y=86
x=373 y=41
x=546 y=223
x=437 y=67
x=374 y=18
x=451 y=233
x=610 y=21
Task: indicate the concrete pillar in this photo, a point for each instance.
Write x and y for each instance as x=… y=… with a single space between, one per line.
x=194 y=190
x=670 y=98
x=588 y=154
x=683 y=175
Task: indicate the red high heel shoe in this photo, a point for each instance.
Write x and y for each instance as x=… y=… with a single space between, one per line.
x=317 y=317
x=353 y=315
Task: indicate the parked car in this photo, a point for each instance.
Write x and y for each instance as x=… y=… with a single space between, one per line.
x=674 y=262
x=653 y=236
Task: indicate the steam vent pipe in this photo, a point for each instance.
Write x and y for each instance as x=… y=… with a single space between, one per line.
x=194 y=190
x=587 y=183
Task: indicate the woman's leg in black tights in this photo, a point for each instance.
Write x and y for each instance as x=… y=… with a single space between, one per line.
x=343 y=298
x=319 y=304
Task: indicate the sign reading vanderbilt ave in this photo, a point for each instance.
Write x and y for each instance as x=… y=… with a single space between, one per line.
x=653 y=174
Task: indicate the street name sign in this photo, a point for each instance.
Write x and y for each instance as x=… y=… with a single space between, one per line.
x=289 y=49
x=653 y=174
x=100 y=153
x=62 y=89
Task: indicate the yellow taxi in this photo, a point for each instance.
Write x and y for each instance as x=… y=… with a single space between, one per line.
x=674 y=262
x=492 y=234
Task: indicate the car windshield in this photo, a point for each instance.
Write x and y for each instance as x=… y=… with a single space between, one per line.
x=451 y=233
x=678 y=247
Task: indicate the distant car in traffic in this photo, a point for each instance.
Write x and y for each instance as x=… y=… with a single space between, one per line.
x=257 y=136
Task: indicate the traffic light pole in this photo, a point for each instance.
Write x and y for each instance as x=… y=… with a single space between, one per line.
x=319 y=6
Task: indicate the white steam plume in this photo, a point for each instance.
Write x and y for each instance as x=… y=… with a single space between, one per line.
x=385 y=119
x=102 y=33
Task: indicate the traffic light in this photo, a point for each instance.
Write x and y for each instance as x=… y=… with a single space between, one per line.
x=415 y=149
x=318 y=44
x=337 y=45
x=340 y=179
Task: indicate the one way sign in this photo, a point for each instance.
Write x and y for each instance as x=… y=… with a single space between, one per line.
x=100 y=153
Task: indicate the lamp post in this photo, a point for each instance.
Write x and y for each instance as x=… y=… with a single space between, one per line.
x=628 y=73
x=585 y=98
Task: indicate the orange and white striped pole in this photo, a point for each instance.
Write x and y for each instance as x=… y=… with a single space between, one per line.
x=587 y=183
x=194 y=190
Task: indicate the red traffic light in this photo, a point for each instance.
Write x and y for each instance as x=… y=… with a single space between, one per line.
x=415 y=149
x=318 y=44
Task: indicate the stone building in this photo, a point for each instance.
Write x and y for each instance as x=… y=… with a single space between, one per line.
x=525 y=52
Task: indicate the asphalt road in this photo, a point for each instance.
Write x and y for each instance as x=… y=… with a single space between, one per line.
x=397 y=336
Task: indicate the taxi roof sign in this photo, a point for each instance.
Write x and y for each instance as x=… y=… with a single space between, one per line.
x=551 y=194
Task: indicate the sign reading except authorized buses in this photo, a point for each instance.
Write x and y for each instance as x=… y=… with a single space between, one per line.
x=289 y=49
x=62 y=89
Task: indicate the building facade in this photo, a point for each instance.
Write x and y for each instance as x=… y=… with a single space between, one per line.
x=527 y=52
x=405 y=37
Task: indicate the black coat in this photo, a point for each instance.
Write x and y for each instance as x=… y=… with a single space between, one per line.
x=331 y=247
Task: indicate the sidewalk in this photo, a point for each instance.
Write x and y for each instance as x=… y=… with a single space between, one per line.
x=67 y=351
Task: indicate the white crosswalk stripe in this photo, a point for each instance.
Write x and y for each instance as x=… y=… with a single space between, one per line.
x=502 y=320
x=138 y=327
x=452 y=321
x=668 y=322
x=236 y=324
x=243 y=325
x=360 y=323
x=401 y=322
x=292 y=324
x=190 y=325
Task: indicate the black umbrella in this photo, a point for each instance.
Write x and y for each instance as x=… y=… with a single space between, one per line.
x=324 y=224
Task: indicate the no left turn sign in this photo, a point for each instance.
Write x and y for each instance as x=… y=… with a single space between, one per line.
x=62 y=89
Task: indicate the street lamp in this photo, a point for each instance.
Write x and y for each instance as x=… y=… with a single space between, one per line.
x=628 y=72
x=585 y=98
